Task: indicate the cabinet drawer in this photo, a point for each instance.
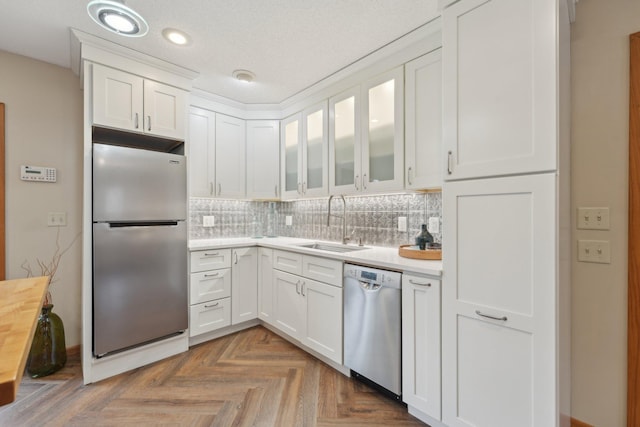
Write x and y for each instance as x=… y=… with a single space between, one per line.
x=209 y=316
x=210 y=285
x=287 y=261
x=210 y=260
x=322 y=269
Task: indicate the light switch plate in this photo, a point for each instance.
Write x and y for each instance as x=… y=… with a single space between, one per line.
x=598 y=251
x=593 y=218
x=402 y=223
x=288 y=220
x=434 y=224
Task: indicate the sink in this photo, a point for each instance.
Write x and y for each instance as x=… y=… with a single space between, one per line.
x=332 y=247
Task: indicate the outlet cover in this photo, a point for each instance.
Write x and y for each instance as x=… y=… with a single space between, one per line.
x=288 y=220
x=56 y=219
x=208 y=221
x=402 y=223
x=434 y=224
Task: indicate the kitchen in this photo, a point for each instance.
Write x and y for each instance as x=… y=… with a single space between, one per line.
x=26 y=204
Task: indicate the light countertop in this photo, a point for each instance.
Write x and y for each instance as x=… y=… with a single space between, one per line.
x=373 y=256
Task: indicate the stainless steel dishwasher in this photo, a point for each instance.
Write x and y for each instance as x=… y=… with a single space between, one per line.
x=372 y=326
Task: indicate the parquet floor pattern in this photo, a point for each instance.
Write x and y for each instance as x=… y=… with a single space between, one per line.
x=251 y=378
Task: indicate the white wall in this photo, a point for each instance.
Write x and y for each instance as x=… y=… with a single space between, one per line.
x=600 y=116
x=44 y=128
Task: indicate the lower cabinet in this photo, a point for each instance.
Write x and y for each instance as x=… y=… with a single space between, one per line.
x=421 y=363
x=308 y=310
x=244 y=285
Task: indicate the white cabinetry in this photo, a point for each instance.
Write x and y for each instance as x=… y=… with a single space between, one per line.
x=216 y=155
x=230 y=157
x=209 y=291
x=499 y=302
x=423 y=122
x=244 y=285
x=500 y=104
x=202 y=152
x=421 y=363
x=266 y=296
x=308 y=310
x=305 y=153
x=383 y=132
x=129 y=102
x=263 y=159
x=366 y=136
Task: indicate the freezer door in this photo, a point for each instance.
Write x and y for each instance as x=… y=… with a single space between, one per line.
x=139 y=284
x=131 y=184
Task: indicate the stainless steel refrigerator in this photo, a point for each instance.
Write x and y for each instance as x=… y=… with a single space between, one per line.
x=139 y=247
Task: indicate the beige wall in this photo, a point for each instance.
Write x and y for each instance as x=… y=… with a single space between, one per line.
x=44 y=128
x=600 y=115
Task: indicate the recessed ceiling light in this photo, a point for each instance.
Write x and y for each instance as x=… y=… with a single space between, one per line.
x=117 y=18
x=244 y=76
x=176 y=36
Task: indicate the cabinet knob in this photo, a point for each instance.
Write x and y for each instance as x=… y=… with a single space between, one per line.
x=149 y=123
x=355 y=182
x=409 y=178
x=449 y=162
x=136 y=121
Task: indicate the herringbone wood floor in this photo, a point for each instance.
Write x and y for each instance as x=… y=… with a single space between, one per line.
x=251 y=378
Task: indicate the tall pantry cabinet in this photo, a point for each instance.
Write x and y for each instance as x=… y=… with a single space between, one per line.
x=504 y=305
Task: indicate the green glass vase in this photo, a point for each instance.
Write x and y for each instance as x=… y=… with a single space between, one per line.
x=48 y=352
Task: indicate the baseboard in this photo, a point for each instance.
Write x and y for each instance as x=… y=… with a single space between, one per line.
x=578 y=423
x=73 y=351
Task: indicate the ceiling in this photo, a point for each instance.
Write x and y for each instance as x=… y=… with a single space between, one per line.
x=288 y=44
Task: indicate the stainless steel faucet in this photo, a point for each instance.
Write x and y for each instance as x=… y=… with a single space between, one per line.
x=345 y=239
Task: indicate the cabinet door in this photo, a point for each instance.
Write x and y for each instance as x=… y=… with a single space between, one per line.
x=499 y=302
x=209 y=285
x=421 y=367
x=265 y=285
x=244 y=285
x=323 y=331
x=291 y=157
x=230 y=157
x=315 y=151
x=263 y=159
x=117 y=99
x=499 y=92
x=383 y=132
x=289 y=306
x=345 y=176
x=201 y=160
x=164 y=110
x=423 y=122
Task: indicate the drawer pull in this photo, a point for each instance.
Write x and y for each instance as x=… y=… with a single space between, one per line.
x=302 y=290
x=212 y=305
x=212 y=275
x=212 y=254
x=413 y=282
x=297 y=289
x=503 y=318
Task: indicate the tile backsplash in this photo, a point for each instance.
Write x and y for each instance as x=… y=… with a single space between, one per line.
x=372 y=218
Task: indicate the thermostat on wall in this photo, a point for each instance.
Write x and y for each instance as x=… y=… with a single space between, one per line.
x=37 y=173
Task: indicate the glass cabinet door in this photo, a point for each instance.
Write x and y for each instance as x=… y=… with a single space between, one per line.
x=291 y=157
x=314 y=119
x=344 y=142
x=383 y=132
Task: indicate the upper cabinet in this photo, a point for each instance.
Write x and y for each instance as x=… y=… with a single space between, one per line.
x=383 y=132
x=129 y=102
x=305 y=153
x=230 y=157
x=500 y=87
x=217 y=160
x=263 y=159
x=366 y=136
x=423 y=122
